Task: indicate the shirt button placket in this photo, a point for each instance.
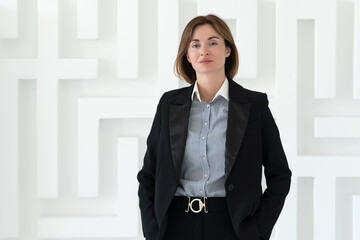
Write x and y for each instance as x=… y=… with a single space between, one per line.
x=205 y=133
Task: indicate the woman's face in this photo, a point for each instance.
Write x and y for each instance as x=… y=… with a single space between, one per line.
x=207 y=51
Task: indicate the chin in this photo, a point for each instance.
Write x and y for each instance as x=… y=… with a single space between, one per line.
x=205 y=70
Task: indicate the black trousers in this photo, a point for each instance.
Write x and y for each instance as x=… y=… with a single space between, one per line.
x=213 y=225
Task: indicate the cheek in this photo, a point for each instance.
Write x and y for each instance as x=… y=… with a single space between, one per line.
x=191 y=57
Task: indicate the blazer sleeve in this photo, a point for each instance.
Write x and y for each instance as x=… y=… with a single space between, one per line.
x=277 y=174
x=146 y=178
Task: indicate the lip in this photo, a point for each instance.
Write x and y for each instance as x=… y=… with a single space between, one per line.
x=205 y=61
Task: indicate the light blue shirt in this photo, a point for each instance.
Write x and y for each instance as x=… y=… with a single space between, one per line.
x=203 y=168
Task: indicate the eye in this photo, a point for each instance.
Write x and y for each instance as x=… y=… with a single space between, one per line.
x=195 y=45
x=213 y=43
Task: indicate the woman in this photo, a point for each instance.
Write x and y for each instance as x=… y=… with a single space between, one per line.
x=202 y=171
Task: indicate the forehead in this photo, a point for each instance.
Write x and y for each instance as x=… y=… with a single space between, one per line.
x=205 y=31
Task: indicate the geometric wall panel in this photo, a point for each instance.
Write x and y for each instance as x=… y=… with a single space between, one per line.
x=305 y=208
x=337 y=127
x=49 y=70
x=356 y=58
x=347 y=192
x=9 y=190
x=325 y=44
x=47 y=85
x=9 y=176
x=356 y=217
x=8 y=19
x=90 y=111
x=87 y=22
x=168 y=35
x=128 y=38
x=332 y=193
x=47 y=102
x=10 y=197
x=120 y=225
x=325 y=126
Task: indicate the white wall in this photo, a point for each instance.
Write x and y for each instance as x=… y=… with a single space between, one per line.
x=79 y=84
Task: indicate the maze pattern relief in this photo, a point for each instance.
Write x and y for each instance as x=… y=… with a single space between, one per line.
x=79 y=85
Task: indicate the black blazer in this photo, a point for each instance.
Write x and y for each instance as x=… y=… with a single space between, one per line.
x=252 y=141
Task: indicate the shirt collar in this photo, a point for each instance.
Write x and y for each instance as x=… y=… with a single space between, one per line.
x=223 y=91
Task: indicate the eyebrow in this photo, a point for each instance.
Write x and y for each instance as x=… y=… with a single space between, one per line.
x=197 y=40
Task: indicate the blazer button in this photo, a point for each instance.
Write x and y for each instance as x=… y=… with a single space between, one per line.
x=230 y=187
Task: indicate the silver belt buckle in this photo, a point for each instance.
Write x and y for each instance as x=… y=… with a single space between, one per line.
x=202 y=205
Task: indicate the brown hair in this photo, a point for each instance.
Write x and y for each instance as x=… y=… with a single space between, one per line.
x=182 y=66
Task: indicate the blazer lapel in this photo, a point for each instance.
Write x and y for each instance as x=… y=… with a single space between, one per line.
x=178 y=127
x=238 y=116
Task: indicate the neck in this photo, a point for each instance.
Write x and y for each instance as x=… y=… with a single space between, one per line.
x=209 y=85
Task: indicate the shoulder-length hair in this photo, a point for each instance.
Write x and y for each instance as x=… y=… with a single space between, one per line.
x=182 y=66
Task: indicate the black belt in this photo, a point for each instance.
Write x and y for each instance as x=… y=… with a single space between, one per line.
x=198 y=204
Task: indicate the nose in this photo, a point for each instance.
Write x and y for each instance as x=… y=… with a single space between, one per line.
x=204 y=51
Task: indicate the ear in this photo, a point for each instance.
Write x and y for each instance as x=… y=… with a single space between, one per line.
x=228 y=51
x=188 y=58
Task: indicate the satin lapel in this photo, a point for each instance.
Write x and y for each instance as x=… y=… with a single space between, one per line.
x=238 y=116
x=237 y=123
x=179 y=119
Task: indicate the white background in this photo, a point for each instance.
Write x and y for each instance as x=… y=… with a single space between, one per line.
x=79 y=84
